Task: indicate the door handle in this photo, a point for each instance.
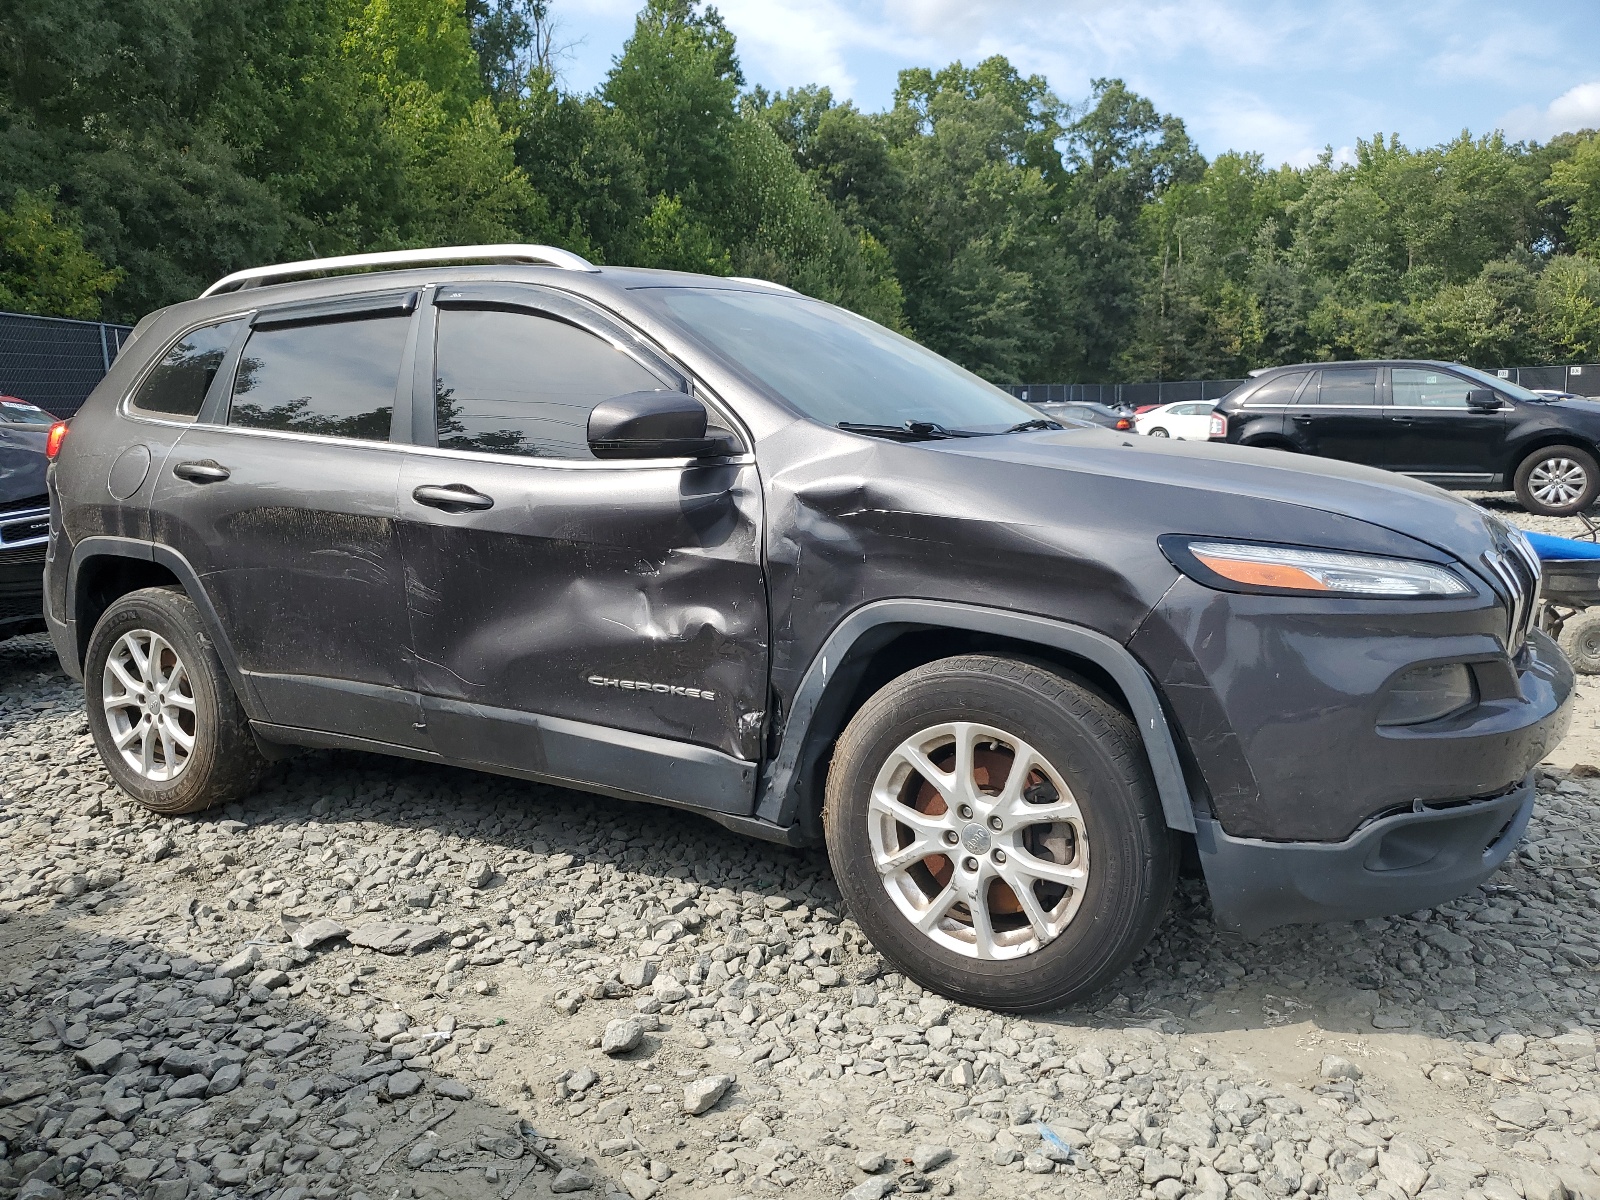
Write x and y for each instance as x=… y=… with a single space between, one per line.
x=1402 y=420
x=201 y=472
x=1301 y=420
x=452 y=497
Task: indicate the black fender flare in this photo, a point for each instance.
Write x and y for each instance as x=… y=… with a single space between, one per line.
x=112 y=546
x=778 y=801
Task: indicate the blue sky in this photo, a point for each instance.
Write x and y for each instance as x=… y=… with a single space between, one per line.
x=1282 y=77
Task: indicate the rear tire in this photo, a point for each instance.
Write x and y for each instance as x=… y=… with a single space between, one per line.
x=1557 y=481
x=1580 y=638
x=1081 y=836
x=162 y=711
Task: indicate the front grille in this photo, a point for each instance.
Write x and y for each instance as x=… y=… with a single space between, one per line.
x=1515 y=569
x=24 y=504
x=29 y=527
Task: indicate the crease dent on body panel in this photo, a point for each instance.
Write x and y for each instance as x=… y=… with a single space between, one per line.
x=424 y=660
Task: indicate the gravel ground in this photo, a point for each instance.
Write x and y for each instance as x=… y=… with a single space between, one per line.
x=384 y=980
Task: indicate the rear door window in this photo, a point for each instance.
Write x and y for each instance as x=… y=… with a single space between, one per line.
x=1416 y=388
x=177 y=386
x=1277 y=391
x=1349 y=387
x=334 y=379
x=518 y=383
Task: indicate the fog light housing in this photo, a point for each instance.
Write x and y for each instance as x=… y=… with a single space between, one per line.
x=1427 y=694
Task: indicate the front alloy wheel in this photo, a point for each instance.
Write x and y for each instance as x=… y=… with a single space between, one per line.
x=994 y=830
x=978 y=841
x=1557 y=481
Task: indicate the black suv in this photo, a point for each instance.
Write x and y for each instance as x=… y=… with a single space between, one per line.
x=1442 y=422
x=711 y=544
x=24 y=515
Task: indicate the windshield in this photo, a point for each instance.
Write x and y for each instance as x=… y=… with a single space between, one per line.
x=1504 y=386
x=836 y=367
x=20 y=412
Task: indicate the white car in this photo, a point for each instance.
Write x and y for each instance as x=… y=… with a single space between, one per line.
x=1188 y=420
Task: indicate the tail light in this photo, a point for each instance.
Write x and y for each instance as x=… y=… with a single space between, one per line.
x=1124 y=424
x=1219 y=426
x=53 y=440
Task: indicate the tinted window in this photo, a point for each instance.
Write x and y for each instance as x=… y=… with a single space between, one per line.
x=337 y=380
x=832 y=365
x=1415 y=388
x=515 y=383
x=1358 y=385
x=1277 y=391
x=178 y=385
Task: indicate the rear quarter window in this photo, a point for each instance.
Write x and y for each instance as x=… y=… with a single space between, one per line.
x=176 y=387
x=1279 y=390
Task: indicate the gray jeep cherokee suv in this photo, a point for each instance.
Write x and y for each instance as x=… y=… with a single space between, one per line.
x=711 y=544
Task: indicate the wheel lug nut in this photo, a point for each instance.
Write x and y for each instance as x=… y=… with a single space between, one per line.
x=965 y=811
x=951 y=837
x=970 y=864
x=999 y=856
x=996 y=823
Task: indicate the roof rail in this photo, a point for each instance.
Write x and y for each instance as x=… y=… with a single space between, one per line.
x=762 y=283
x=508 y=252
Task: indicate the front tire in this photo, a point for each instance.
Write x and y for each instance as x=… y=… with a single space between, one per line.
x=1158 y=432
x=1017 y=893
x=1557 y=481
x=163 y=714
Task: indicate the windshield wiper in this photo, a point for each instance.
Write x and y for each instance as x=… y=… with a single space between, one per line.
x=1036 y=423
x=911 y=431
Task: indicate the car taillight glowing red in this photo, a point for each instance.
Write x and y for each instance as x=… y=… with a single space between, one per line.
x=1124 y=423
x=1219 y=425
x=53 y=440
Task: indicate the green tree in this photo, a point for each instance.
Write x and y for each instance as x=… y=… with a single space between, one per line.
x=44 y=267
x=676 y=84
x=1575 y=183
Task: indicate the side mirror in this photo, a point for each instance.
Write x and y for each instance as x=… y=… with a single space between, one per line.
x=651 y=425
x=1482 y=400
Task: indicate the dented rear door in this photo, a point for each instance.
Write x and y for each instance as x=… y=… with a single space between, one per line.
x=563 y=598
x=282 y=499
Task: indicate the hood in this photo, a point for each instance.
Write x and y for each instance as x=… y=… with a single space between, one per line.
x=1216 y=489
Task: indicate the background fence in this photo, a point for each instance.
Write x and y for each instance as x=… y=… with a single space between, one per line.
x=1582 y=380
x=53 y=362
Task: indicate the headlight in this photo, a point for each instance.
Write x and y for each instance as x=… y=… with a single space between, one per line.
x=1426 y=694
x=1295 y=570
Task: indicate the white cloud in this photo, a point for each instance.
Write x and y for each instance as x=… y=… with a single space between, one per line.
x=1576 y=108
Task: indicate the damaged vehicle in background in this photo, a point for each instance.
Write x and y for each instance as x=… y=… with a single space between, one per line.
x=24 y=514
x=709 y=543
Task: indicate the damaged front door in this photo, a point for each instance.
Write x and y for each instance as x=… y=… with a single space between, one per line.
x=603 y=622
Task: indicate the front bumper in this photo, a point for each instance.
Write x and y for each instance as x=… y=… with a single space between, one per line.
x=1396 y=864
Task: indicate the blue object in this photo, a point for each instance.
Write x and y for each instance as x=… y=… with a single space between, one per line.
x=1559 y=549
x=1053 y=1139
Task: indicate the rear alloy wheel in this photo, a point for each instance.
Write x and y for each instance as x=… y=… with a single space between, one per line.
x=149 y=705
x=1580 y=638
x=1557 y=481
x=1158 y=432
x=162 y=711
x=996 y=833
